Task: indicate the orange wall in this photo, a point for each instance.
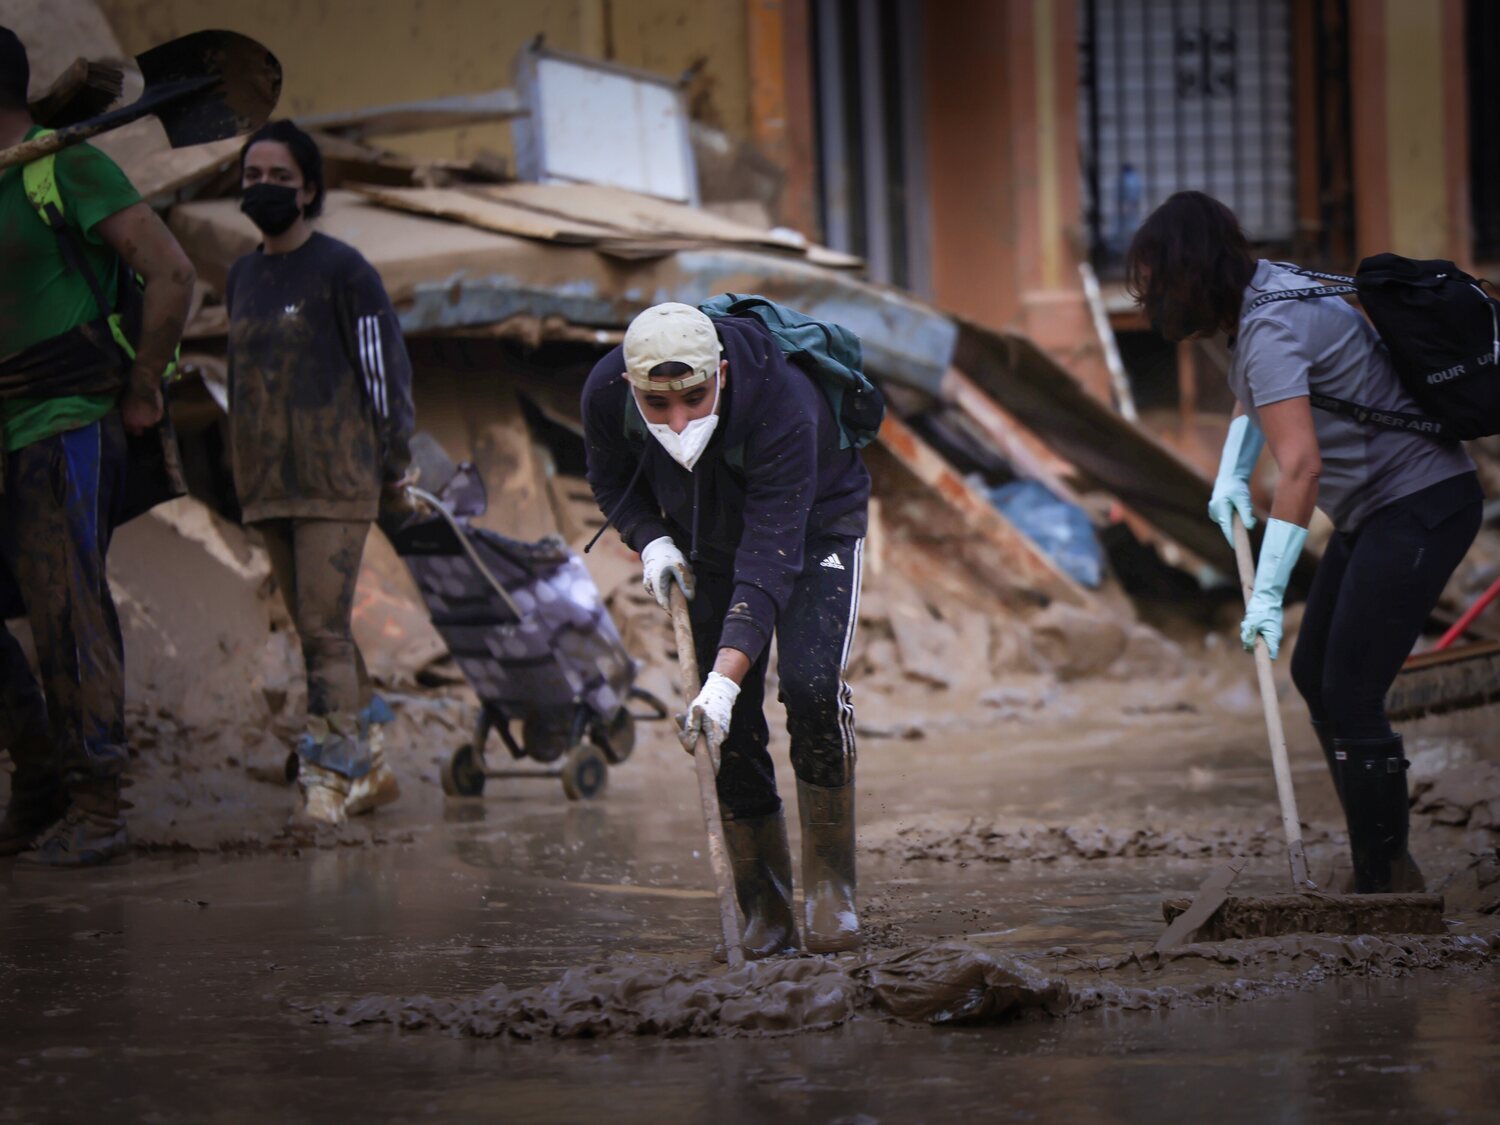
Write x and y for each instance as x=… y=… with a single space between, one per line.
x=970 y=159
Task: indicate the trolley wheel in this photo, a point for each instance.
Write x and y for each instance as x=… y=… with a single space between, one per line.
x=585 y=774
x=463 y=776
x=292 y=767
x=617 y=740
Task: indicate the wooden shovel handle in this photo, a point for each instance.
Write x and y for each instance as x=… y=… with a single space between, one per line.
x=708 y=788
x=27 y=151
x=1291 y=823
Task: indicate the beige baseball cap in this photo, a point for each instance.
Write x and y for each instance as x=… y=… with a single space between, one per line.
x=671 y=333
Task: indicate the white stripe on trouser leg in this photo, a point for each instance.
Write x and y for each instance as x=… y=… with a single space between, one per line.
x=846 y=696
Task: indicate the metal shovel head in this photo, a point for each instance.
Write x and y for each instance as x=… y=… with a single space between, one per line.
x=208 y=86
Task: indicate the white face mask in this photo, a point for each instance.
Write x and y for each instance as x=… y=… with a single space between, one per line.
x=685 y=448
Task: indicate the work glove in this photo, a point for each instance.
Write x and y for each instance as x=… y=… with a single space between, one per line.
x=1242 y=446
x=661 y=563
x=709 y=714
x=1278 y=556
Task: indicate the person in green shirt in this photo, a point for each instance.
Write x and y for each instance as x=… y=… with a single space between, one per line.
x=69 y=395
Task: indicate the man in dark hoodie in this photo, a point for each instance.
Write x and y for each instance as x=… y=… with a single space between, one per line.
x=701 y=436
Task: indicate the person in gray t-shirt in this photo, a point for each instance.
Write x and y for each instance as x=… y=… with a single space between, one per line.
x=1405 y=507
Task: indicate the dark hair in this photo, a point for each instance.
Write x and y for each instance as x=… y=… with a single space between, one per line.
x=1188 y=266
x=669 y=369
x=304 y=151
x=15 y=70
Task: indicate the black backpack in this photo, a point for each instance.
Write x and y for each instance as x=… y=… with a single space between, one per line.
x=1442 y=331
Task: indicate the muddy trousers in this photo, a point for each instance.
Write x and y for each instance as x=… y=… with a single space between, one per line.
x=316 y=564
x=1372 y=593
x=56 y=516
x=813 y=637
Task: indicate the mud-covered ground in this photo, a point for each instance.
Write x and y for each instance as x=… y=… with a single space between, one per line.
x=525 y=958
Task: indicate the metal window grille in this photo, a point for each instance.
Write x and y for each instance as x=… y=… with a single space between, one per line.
x=1186 y=94
x=1483 y=36
x=872 y=190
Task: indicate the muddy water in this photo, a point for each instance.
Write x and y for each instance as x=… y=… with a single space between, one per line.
x=182 y=987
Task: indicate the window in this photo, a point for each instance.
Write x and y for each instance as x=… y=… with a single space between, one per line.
x=871 y=189
x=1186 y=94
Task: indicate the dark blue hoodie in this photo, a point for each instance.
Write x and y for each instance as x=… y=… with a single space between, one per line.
x=788 y=483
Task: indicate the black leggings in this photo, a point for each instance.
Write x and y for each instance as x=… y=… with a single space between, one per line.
x=813 y=636
x=1371 y=596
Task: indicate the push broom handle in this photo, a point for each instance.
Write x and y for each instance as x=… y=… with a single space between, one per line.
x=1291 y=824
x=708 y=789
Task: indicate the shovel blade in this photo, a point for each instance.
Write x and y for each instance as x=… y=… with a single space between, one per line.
x=208 y=86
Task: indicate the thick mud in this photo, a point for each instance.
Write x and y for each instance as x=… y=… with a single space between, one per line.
x=991 y=840
x=949 y=983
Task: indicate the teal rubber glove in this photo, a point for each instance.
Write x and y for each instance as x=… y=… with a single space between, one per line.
x=1242 y=446
x=1279 y=551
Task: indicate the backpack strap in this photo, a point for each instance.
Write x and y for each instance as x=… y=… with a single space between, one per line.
x=1396 y=420
x=1343 y=286
x=39 y=181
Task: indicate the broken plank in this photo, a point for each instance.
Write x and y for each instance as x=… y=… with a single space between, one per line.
x=1022 y=564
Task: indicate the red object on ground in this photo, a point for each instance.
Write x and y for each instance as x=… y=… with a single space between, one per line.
x=1468 y=618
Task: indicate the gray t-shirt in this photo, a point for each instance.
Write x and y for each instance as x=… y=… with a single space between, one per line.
x=1288 y=348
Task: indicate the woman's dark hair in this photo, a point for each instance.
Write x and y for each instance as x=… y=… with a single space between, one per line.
x=1188 y=266
x=304 y=151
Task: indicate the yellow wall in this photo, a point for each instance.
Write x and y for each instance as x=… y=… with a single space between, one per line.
x=1417 y=154
x=344 y=54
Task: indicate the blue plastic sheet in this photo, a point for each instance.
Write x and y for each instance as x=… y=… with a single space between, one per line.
x=1061 y=530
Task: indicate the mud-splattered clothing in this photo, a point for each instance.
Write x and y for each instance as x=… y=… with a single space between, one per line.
x=813 y=638
x=751 y=514
x=56 y=517
x=316 y=564
x=319 y=384
x=40 y=297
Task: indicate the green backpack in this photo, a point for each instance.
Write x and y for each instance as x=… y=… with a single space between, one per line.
x=829 y=352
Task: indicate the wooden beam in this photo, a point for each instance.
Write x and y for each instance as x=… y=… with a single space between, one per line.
x=1010 y=559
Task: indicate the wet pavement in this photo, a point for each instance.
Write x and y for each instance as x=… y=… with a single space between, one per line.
x=178 y=987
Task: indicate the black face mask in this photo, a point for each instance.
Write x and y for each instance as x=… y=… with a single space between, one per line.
x=271 y=207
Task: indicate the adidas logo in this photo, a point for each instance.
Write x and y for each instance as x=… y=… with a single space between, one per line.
x=832 y=563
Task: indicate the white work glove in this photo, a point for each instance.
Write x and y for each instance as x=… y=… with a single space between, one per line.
x=1242 y=446
x=662 y=562
x=709 y=714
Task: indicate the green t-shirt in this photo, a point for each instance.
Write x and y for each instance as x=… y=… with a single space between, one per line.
x=39 y=296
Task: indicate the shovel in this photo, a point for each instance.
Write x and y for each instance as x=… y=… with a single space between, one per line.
x=708 y=790
x=203 y=87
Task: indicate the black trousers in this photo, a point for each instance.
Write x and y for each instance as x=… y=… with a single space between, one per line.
x=1370 y=598
x=813 y=637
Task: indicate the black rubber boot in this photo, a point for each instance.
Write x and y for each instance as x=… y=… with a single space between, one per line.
x=1372 y=772
x=763 y=884
x=91 y=833
x=1406 y=875
x=830 y=922
x=35 y=804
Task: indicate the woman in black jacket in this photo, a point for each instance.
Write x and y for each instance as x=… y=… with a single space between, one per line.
x=320 y=417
